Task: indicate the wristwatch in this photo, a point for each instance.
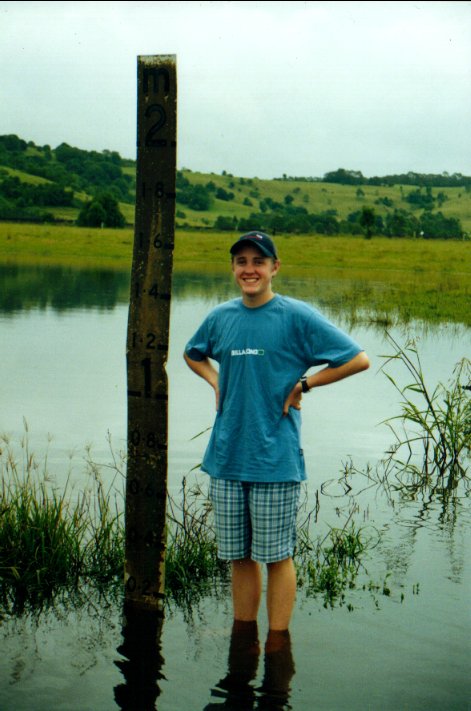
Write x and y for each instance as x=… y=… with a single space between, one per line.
x=304 y=386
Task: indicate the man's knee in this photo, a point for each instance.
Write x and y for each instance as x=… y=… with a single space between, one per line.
x=280 y=565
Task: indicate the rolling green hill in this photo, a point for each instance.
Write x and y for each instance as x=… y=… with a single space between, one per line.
x=36 y=182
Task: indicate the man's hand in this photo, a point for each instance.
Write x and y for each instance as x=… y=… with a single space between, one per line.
x=293 y=399
x=325 y=377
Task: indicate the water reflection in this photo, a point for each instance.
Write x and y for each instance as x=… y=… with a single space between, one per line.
x=235 y=692
x=60 y=288
x=347 y=299
x=141 y=661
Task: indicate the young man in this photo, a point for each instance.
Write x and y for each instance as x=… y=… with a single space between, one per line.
x=264 y=343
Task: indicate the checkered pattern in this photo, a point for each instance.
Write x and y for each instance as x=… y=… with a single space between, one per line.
x=255 y=520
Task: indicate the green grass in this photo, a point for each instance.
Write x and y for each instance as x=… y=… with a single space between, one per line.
x=24 y=177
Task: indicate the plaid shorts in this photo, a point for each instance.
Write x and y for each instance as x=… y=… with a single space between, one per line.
x=255 y=520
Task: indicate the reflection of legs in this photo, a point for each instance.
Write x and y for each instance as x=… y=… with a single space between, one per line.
x=279 y=670
x=281 y=593
x=244 y=654
x=246 y=589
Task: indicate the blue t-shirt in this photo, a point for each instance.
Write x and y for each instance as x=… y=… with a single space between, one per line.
x=262 y=352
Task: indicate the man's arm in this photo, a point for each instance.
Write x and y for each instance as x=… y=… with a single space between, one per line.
x=325 y=377
x=205 y=369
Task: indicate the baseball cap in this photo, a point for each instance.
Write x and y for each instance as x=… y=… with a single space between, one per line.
x=258 y=239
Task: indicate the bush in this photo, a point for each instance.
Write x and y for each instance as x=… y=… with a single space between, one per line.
x=222 y=194
x=103 y=210
x=225 y=223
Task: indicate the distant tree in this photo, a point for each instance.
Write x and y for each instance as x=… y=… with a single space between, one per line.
x=92 y=214
x=345 y=177
x=12 y=143
x=196 y=197
x=401 y=223
x=222 y=194
x=420 y=200
x=225 y=223
x=367 y=220
x=386 y=201
x=102 y=210
x=437 y=226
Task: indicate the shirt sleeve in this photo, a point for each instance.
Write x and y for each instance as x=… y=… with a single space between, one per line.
x=328 y=344
x=199 y=346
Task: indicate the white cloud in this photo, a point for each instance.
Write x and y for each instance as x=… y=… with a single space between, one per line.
x=265 y=88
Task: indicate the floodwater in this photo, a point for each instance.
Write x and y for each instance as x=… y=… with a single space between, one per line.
x=399 y=639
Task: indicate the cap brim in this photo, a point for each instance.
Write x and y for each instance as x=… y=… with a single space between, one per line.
x=253 y=243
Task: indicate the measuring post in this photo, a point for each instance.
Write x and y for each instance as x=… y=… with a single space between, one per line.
x=148 y=331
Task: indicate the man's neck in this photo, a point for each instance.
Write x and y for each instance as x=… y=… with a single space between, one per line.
x=258 y=300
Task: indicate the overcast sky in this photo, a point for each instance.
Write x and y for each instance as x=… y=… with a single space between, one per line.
x=264 y=88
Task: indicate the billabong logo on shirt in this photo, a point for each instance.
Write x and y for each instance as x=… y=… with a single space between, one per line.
x=248 y=351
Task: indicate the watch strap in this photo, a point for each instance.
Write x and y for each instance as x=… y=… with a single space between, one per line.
x=304 y=386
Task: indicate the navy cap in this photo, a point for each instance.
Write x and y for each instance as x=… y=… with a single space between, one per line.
x=258 y=239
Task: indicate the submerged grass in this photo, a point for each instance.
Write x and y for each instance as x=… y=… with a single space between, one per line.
x=329 y=566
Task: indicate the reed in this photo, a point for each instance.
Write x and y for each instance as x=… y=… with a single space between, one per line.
x=52 y=538
x=433 y=431
x=191 y=562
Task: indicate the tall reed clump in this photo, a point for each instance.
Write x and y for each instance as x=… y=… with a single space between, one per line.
x=191 y=561
x=433 y=432
x=51 y=537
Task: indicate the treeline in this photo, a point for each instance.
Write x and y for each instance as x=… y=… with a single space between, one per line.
x=74 y=168
x=297 y=220
x=68 y=171
x=355 y=177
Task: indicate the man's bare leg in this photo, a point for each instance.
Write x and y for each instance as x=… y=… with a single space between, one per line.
x=281 y=593
x=246 y=589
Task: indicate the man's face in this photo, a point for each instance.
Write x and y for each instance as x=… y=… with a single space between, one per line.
x=253 y=272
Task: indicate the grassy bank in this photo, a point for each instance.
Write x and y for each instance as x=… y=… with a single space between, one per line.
x=391 y=278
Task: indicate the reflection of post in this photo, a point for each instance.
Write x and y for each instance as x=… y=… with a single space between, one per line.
x=148 y=331
x=141 y=659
